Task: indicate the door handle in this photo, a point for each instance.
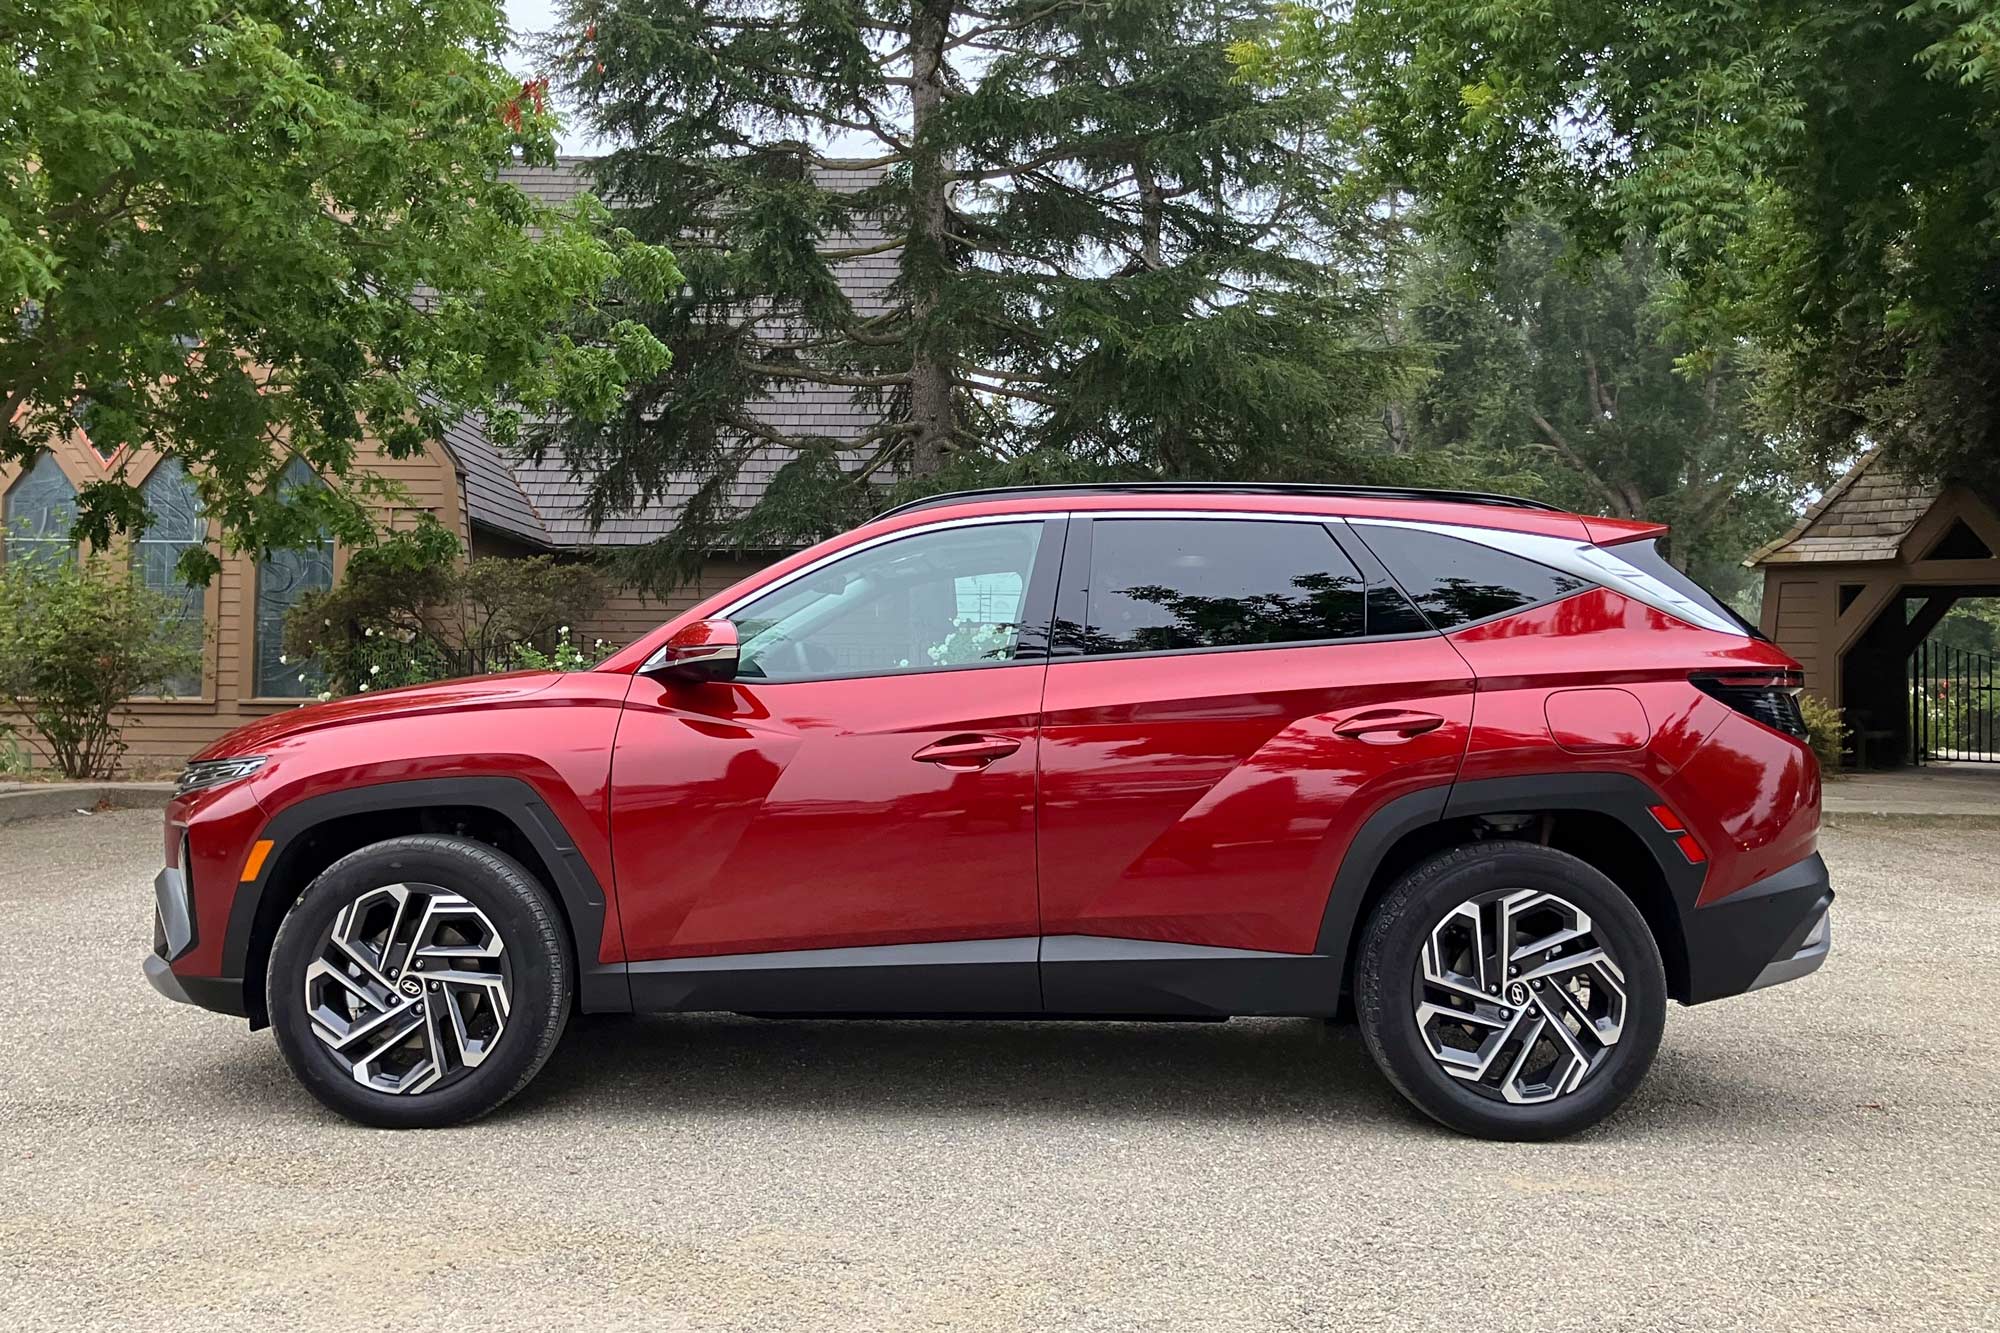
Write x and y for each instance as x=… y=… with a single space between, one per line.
x=966 y=753
x=1387 y=726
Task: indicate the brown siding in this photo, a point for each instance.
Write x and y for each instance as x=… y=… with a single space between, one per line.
x=1798 y=626
x=628 y=614
x=162 y=733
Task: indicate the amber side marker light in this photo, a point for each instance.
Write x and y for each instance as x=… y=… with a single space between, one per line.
x=255 y=864
x=1671 y=822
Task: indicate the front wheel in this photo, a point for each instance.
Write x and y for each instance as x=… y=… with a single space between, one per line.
x=418 y=982
x=1511 y=991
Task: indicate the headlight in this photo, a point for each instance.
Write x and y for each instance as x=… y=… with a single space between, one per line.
x=214 y=772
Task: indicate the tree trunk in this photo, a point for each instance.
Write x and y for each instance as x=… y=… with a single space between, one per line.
x=925 y=261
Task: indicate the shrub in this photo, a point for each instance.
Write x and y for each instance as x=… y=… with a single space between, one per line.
x=76 y=641
x=409 y=611
x=14 y=757
x=1825 y=730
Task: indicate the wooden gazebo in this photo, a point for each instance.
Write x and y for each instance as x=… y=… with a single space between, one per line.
x=1863 y=578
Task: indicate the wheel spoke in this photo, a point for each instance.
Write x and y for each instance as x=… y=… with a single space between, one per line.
x=1517 y=997
x=411 y=988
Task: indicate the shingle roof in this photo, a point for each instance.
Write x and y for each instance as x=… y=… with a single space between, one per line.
x=1863 y=517
x=543 y=502
x=493 y=495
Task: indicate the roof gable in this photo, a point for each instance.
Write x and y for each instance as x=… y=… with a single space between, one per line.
x=1863 y=518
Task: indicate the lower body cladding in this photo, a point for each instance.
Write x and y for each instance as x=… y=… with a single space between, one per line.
x=1057 y=975
x=1774 y=931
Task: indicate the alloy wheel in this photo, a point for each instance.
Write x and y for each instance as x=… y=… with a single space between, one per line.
x=1517 y=996
x=409 y=988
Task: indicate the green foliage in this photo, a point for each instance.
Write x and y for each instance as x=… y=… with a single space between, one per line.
x=565 y=656
x=1113 y=256
x=1563 y=372
x=16 y=760
x=409 y=611
x=224 y=224
x=1953 y=715
x=1972 y=626
x=1822 y=181
x=76 y=642
x=1826 y=730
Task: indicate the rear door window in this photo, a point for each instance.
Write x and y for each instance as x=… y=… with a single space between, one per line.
x=1456 y=582
x=1164 y=585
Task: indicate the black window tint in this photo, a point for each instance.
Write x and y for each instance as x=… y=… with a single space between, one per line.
x=1389 y=612
x=1456 y=582
x=1160 y=584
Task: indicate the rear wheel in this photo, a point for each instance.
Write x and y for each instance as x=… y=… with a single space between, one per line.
x=420 y=981
x=1511 y=991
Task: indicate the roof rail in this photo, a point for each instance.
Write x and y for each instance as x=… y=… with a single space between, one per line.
x=1223 y=488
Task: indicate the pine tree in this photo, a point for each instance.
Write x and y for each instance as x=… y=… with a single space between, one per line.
x=1112 y=255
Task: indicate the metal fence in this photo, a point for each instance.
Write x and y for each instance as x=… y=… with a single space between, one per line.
x=1954 y=694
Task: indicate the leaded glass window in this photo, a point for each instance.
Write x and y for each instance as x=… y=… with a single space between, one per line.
x=39 y=511
x=177 y=524
x=282 y=579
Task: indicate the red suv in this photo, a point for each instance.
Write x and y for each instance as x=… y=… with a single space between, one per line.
x=1498 y=776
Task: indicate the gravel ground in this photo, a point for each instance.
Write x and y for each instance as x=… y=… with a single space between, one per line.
x=1817 y=1156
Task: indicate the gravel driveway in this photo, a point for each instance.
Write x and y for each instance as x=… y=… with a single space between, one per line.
x=1821 y=1155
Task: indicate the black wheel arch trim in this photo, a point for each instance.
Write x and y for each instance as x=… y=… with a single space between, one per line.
x=1621 y=796
x=601 y=987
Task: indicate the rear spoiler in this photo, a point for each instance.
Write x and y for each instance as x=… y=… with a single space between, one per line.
x=1615 y=531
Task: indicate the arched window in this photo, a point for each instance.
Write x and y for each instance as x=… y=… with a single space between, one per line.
x=282 y=579
x=178 y=523
x=39 y=509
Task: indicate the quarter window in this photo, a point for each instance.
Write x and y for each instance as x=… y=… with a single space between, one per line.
x=1159 y=585
x=39 y=511
x=283 y=578
x=177 y=524
x=1455 y=582
x=936 y=600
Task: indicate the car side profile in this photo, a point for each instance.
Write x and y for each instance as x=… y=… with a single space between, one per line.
x=1496 y=779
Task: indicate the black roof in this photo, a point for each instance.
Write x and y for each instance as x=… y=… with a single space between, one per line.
x=1223 y=488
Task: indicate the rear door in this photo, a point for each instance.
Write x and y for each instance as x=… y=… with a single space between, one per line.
x=1229 y=699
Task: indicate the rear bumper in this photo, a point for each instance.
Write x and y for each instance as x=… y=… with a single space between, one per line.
x=1777 y=930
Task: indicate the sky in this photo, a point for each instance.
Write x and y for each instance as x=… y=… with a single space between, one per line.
x=531 y=16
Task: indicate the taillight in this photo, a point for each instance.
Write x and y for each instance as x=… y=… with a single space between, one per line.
x=1770 y=697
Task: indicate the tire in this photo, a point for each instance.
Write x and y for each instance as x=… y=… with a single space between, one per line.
x=1510 y=897
x=479 y=1026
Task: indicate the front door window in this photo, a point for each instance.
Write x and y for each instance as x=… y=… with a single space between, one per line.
x=928 y=602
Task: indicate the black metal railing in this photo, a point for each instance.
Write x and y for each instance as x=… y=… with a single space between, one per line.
x=1954 y=698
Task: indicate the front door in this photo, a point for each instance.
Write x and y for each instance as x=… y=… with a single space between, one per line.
x=851 y=822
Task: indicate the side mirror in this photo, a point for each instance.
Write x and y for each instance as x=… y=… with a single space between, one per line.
x=704 y=650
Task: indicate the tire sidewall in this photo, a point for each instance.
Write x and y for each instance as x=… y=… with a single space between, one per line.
x=496 y=885
x=1406 y=918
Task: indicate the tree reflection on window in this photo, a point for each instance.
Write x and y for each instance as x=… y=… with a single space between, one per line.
x=1160 y=585
x=1455 y=582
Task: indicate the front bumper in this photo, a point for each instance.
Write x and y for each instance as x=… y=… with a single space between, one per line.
x=173 y=937
x=1777 y=930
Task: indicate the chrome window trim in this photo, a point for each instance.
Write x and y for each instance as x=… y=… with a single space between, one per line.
x=1024 y=516
x=1585 y=560
x=1598 y=565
